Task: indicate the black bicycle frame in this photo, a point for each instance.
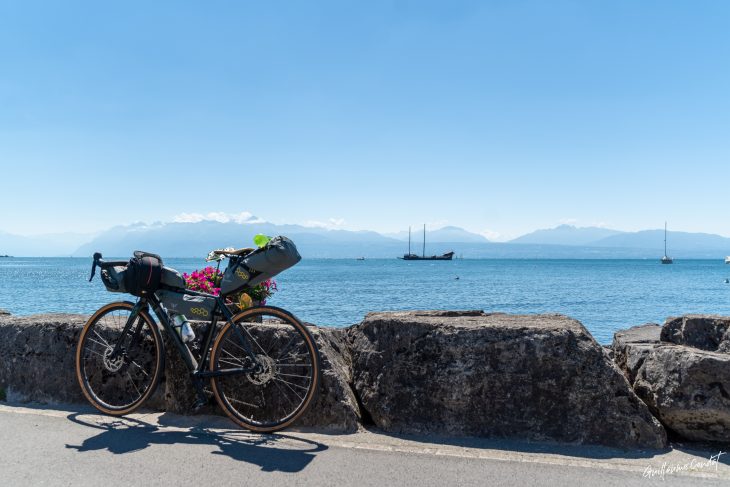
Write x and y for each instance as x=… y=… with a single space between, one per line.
x=197 y=369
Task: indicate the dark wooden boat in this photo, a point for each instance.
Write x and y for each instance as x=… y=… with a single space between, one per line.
x=446 y=256
x=412 y=256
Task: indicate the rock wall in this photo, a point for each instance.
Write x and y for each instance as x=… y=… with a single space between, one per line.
x=540 y=377
x=682 y=372
x=459 y=373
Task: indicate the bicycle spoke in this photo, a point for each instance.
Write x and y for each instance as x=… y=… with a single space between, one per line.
x=139 y=367
x=239 y=364
x=99 y=343
x=101 y=338
x=284 y=393
x=289 y=384
x=133 y=384
x=293 y=375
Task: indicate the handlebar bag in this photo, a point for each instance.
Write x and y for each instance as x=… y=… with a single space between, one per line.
x=113 y=278
x=143 y=273
x=261 y=264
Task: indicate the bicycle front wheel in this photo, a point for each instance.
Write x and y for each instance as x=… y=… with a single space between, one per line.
x=286 y=369
x=119 y=384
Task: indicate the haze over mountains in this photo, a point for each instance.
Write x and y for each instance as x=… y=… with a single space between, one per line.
x=196 y=238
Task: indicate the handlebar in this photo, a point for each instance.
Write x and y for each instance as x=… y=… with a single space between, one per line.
x=98 y=261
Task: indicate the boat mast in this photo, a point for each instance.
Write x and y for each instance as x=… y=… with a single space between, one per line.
x=424 y=240
x=409 y=240
x=665 y=239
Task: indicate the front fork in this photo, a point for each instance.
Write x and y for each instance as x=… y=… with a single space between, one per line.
x=118 y=347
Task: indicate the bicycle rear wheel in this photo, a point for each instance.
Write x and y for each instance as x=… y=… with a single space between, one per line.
x=285 y=381
x=119 y=385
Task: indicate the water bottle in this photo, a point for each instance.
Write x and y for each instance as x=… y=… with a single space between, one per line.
x=183 y=328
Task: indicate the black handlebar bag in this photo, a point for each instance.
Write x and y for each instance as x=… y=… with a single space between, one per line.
x=143 y=274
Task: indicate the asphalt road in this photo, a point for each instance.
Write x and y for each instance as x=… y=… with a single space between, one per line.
x=43 y=446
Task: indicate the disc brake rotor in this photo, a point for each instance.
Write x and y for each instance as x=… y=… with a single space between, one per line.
x=268 y=370
x=112 y=365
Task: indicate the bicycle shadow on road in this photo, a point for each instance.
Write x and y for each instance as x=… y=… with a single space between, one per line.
x=272 y=452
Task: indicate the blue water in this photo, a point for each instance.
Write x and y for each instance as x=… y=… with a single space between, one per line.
x=606 y=295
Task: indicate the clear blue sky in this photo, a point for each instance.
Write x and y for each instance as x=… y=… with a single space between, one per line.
x=500 y=117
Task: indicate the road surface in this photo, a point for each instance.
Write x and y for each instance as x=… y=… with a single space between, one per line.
x=44 y=446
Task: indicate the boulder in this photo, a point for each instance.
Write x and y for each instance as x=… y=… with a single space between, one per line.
x=688 y=390
x=539 y=377
x=37 y=363
x=334 y=409
x=630 y=347
x=706 y=332
x=725 y=343
x=37 y=357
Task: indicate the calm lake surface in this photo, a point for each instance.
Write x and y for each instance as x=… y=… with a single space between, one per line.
x=606 y=295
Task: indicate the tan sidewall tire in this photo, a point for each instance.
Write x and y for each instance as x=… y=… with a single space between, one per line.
x=160 y=358
x=270 y=310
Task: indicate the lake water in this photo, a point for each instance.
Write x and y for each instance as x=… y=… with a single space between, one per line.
x=606 y=295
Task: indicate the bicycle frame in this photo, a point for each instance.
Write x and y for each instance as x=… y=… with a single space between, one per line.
x=197 y=369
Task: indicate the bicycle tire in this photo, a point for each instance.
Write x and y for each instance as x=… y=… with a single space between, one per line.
x=269 y=382
x=102 y=373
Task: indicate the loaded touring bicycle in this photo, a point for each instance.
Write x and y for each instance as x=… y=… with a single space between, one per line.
x=261 y=363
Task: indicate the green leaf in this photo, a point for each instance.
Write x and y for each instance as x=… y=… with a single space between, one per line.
x=261 y=240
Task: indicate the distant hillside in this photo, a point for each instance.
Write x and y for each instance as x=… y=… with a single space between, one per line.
x=49 y=245
x=445 y=234
x=677 y=242
x=197 y=239
x=566 y=235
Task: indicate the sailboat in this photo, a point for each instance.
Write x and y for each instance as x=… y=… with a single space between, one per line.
x=666 y=259
x=412 y=256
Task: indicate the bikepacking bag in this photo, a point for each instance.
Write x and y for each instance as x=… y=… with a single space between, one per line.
x=113 y=278
x=193 y=307
x=277 y=255
x=143 y=273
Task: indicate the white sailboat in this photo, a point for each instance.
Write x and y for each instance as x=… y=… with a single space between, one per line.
x=666 y=259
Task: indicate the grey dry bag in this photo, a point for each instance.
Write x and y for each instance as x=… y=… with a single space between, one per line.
x=277 y=255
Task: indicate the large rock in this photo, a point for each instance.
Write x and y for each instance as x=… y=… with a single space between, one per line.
x=689 y=391
x=37 y=357
x=37 y=363
x=335 y=408
x=706 y=332
x=631 y=347
x=539 y=377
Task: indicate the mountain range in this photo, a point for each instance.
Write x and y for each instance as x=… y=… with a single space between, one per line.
x=195 y=239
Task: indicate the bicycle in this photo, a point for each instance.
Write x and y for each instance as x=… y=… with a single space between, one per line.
x=262 y=364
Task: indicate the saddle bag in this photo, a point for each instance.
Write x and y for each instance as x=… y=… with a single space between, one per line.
x=261 y=264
